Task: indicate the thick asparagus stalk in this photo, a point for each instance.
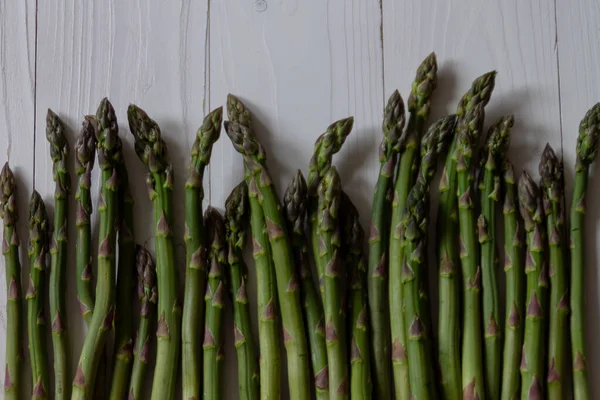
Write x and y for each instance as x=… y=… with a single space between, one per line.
x=59 y=151
x=195 y=276
x=295 y=203
x=449 y=322
x=496 y=145
x=85 y=153
x=236 y=215
x=36 y=315
x=214 y=299
x=147 y=293
x=361 y=383
x=587 y=148
x=515 y=296
x=533 y=355
x=553 y=191
x=109 y=156
x=393 y=123
x=12 y=265
x=419 y=103
x=330 y=262
x=240 y=132
x=152 y=150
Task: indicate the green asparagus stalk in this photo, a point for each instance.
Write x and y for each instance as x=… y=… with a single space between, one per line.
x=553 y=190
x=269 y=323
x=109 y=156
x=236 y=215
x=240 y=132
x=85 y=153
x=468 y=132
x=587 y=148
x=152 y=151
x=36 y=315
x=329 y=193
x=326 y=145
x=147 y=294
x=419 y=103
x=361 y=383
x=393 y=123
x=295 y=203
x=59 y=151
x=449 y=322
x=12 y=265
x=515 y=277
x=195 y=276
x=214 y=299
x=496 y=145
x=532 y=358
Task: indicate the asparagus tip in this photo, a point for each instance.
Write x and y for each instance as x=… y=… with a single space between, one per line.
x=589 y=134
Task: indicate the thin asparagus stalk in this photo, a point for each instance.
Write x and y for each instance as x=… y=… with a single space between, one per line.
x=393 y=123
x=468 y=133
x=237 y=214
x=326 y=145
x=329 y=257
x=515 y=296
x=295 y=205
x=85 y=153
x=109 y=155
x=152 y=151
x=59 y=151
x=587 y=148
x=36 y=315
x=553 y=191
x=419 y=103
x=14 y=318
x=361 y=383
x=449 y=322
x=195 y=276
x=240 y=132
x=214 y=299
x=147 y=293
x=497 y=143
x=533 y=355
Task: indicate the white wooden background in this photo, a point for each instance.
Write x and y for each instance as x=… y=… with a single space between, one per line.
x=298 y=65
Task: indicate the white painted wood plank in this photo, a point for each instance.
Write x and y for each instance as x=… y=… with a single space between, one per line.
x=17 y=81
x=298 y=66
x=579 y=62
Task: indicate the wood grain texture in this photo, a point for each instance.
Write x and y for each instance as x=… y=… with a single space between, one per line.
x=17 y=82
x=579 y=62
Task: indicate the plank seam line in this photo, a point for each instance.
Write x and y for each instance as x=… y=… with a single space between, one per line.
x=35 y=62
x=556 y=50
x=207 y=86
x=382 y=52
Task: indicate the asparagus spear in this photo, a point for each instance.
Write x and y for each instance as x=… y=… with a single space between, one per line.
x=109 y=155
x=449 y=326
x=553 y=190
x=587 y=148
x=10 y=249
x=295 y=205
x=532 y=358
x=361 y=384
x=326 y=145
x=59 y=151
x=195 y=277
x=214 y=299
x=496 y=145
x=393 y=123
x=236 y=214
x=329 y=259
x=514 y=269
x=240 y=132
x=85 y=152
x=36 y=315
x=152 y=151
x=147 y=293
x=419 y=103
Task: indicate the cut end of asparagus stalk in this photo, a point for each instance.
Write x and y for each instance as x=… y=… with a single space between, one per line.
x=8 y=206
x=393 y=123
x=149 y=145
x=237 y=215
x=589 y=133
x=423 y=86
x=295 y=203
